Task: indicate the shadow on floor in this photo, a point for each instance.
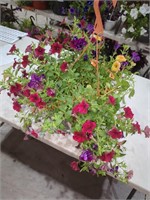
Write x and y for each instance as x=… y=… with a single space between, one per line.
x=55 y=164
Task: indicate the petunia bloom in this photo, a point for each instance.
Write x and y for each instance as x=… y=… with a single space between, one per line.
x=88 y=126
x=35 y=81
x=50 y=92
x=12 y=49
x=115 y=133
x=16 y=89
x=86 y=155
x=26 y=92
x=107 y=156
x=136 y=127
x=39 y=52
x=116 y=66
x=147 y=131
x=128 y=113
x=33 y=133
x=135 y=56
x=56 y=48
x=74 y=166
x=40 y=104
x=111 y=100
x=121 y=58
x=16 y=106
x=78 y=43
x=79 y=137
x=81 y=108
x=35 y=98
x=25 y=61
x=64 y=67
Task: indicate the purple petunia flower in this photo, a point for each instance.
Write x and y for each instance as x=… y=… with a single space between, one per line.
x=35 y=81
x=85 y=57
x=95 y=146
x=116 y=46
x=90 y=28
x=72 y=10
x=78 y=44
x=86 y=155
x=135 y=56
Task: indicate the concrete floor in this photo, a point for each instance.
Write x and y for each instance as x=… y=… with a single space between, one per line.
x=33 y=170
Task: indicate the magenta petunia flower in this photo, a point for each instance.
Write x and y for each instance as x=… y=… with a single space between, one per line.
x=111 y=100
x=26 y=92
x=86 y=155
x=115 y=133
x=40 y=104
x=28 y=49
x=39 y=52
x=136 y=127
x=56 y=48
x=16 y=89
x=128 y=112
x=88 y=126
x=147 y=131
x=79 y=137
x=64 y=67
x=12 y=49
x=33 y=133
x=25 y=61
x=51 y=92
x=81 y=108
x=35 y=98
x=16 y=106
x=107 y=156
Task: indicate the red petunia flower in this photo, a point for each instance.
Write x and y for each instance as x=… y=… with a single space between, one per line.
x=26 y=93
x=12 y=49
x=39 y=52
x=28 y=49
x=128 y=113
x=35 y=98
x=107 y=156
x=74 y=166
x=25 y=61
x=15 y=89
x=115 y=133
x=111 y=100
x=56 y=48
x=16 y=106
x=79 y=137
x=40 y=104
x=64 y=67
x=88 y=126
x=136 y=127
x=81 y=108
x=33 y=133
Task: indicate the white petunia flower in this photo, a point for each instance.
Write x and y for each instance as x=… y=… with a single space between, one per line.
x=124 y=30
x=134 y=13
x=131 y=29
x=143 y=30
x=123 y=18
x=144 y=9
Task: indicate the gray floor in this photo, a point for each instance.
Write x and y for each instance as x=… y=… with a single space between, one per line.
x=33 y=170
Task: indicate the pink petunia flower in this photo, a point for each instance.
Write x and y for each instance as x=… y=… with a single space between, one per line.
x=147 y=131
x=88 y=126
x=115 y=133
x=136 y=127
x=64 y=67
x=51 y=92
x=111 y=100
x=107 y=156
x=128 y=113
x=33 y=133
x=74 y=166
x=81 y=108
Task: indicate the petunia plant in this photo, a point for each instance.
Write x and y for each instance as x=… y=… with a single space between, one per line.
x=79 y=93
